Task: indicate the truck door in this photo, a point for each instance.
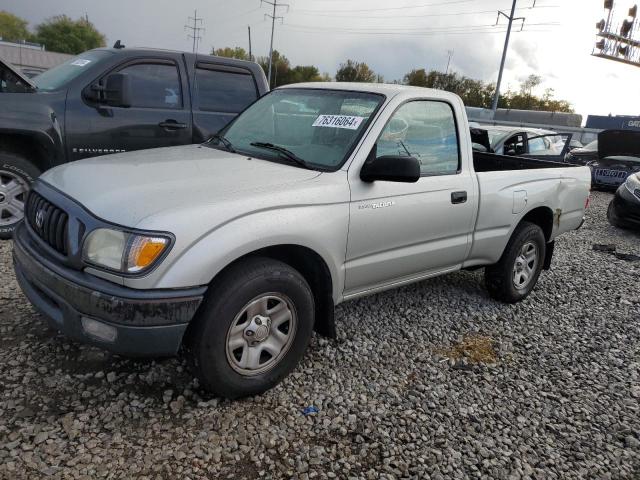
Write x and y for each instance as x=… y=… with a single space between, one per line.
x=400 y=231
x=159 y=115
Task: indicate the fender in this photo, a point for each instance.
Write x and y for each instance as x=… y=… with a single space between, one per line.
x=320 y=228
x=38 y=119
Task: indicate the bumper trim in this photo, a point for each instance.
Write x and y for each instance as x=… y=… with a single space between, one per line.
x=148 y=322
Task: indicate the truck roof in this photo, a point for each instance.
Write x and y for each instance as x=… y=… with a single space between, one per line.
x=136 y=51
x=388 y=89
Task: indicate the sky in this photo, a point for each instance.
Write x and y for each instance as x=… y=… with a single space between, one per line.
x=392 y=37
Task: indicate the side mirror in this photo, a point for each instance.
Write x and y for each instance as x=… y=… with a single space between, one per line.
x=117 y=90
x=391 y=168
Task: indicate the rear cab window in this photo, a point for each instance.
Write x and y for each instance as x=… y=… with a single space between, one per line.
x=225 y=89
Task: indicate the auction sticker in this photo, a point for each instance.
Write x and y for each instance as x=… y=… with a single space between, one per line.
x=80 y=62
x=338 y=121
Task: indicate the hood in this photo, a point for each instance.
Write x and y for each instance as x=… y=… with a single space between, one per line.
x=620 y=162
x=127 y=188
x=4 y=65
x=618 y=143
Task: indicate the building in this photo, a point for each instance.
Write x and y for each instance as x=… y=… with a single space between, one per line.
x=30 y=58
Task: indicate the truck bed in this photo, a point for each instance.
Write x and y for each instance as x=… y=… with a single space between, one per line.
x=492 y=162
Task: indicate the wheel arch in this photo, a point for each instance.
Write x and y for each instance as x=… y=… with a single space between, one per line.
x=541 y=216
x=313 y=268
x=32 y=147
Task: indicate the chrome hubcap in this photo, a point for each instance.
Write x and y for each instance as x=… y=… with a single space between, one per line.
x=13 y=191
x=261 y=334
x=525 y=265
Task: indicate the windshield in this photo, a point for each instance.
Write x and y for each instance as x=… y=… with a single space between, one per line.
x=319 y=127
x=592 y=147
x=57 y=77
x=495 y=136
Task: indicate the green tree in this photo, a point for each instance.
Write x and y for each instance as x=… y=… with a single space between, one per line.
x=416 y=78
x=355 y=72
x=281 y=68
x=237 y=52
x=62 y=34
x=12 y=27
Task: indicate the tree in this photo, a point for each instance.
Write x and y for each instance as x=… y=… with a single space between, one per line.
x=12 y=27
x=355 y=72
x=476 y=93
x=280 y=66
x=416 y=78
x=64 y=35
x=237 y=52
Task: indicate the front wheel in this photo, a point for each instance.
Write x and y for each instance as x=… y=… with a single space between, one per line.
x=252 y=329
x=516 y=273
x=16 y=176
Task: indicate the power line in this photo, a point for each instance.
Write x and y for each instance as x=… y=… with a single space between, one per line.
x=195 y=30
x=400 y=29
x=381 y=17
x=273 y=18
x=511 y=18
x=406 y=7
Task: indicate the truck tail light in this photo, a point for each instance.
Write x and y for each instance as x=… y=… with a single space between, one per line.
x=587 y=202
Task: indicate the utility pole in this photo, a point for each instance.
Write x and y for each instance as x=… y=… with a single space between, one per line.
x=195 y=30
x=511 y=18
x=273 y=18
x=250 y=55
x=450 y=52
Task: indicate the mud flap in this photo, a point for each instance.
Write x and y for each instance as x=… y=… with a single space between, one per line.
x=548 y=255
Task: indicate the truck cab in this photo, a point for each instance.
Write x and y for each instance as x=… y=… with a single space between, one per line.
x=112 y=100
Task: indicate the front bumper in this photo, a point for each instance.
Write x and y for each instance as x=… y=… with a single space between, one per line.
x=625 y=208
x=143 y=322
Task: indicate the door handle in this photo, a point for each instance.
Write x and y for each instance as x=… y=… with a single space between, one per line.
x=458 y=197
x=172 y=125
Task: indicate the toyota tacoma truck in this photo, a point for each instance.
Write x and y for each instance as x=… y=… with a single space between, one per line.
x=239 y=248
x=112 y=100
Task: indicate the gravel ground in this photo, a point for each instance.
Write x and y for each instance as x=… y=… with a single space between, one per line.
x=556 y=394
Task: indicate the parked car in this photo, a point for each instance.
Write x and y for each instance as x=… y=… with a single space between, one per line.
x=584 y=155
x=618 y=157
x=530 y=142
x=624 y=209
x=112 y=100
x=238 y=248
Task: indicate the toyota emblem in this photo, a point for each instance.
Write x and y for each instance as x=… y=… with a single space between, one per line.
x=40 y=218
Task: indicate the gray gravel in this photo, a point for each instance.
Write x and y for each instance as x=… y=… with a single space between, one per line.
x=561 y=400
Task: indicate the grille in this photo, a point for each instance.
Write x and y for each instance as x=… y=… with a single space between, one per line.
x=47 y=221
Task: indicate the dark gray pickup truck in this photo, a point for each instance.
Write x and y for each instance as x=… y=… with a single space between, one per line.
x=108 y=101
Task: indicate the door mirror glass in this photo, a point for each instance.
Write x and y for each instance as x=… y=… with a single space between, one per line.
x=391 y=168
x=117 y=90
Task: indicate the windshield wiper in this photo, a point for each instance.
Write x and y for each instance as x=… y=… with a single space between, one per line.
x=222 y=140
x=285 y=152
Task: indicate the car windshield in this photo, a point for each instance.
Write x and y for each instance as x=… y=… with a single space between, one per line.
x=316 y=128
x=496 y=135
x=59 y=76
x=592 y=147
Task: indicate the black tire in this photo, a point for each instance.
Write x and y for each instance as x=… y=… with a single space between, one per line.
x=612 y=217
x=14 y=166
x=206 y=340
x=499 y=278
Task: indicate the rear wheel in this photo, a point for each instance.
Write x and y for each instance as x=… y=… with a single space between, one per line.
x=516 y=273
x=16 y=176
x=253 y=328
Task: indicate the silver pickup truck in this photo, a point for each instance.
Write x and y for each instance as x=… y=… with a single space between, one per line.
x=237 y=249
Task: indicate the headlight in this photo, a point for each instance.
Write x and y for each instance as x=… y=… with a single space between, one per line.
x=123 y=251
x=632 y=183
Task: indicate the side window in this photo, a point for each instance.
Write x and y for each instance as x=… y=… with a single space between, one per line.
x=223 y=91
x=537 y=145
x=425 y=130
x=154 y=85
x=514 y=145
